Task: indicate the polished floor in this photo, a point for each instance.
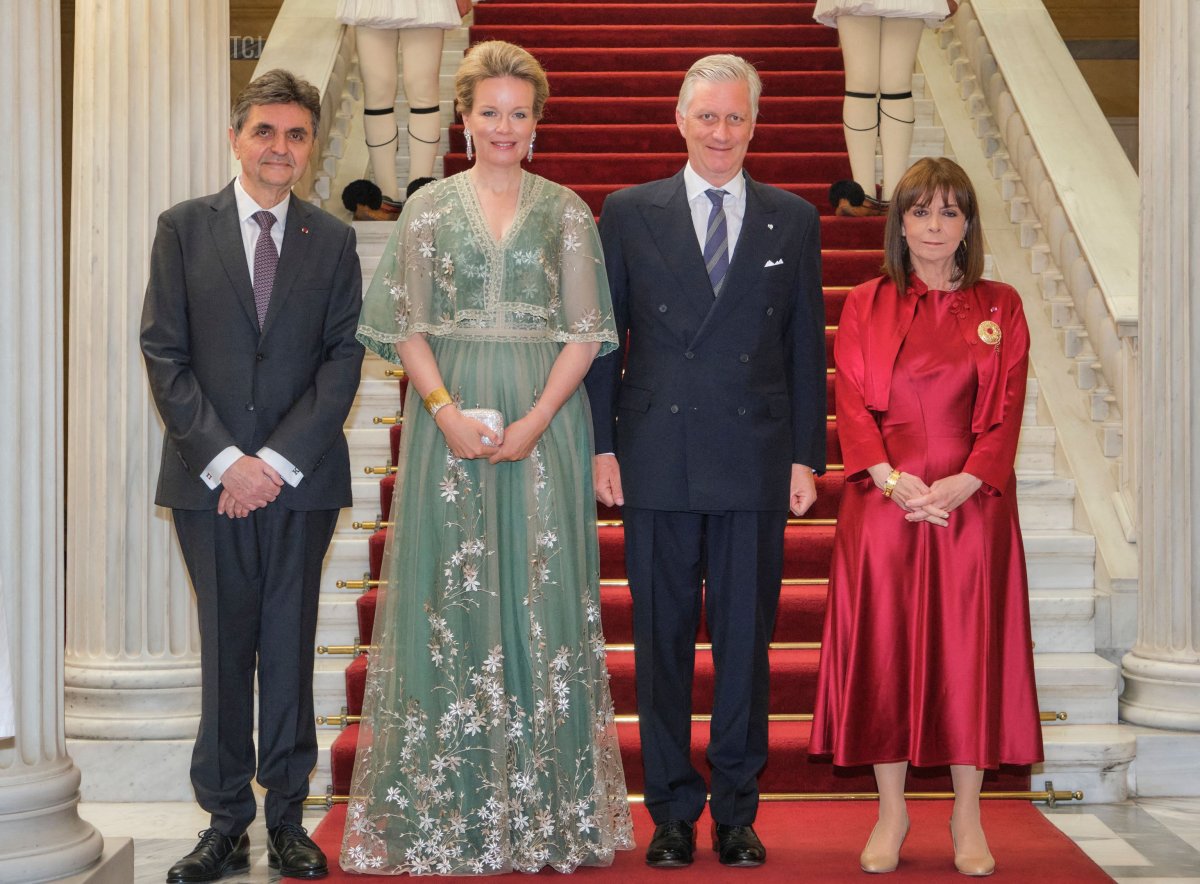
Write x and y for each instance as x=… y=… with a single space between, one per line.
x=1147 y=841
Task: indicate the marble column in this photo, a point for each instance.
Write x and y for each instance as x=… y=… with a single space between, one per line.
x=41 y=834
x=151 y=109
x=1162 y=672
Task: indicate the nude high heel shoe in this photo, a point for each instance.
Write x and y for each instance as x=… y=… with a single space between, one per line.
x=973 y=866
x=879 y=862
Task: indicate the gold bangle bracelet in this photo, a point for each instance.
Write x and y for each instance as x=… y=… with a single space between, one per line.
x=890 y=485
x=437 y=400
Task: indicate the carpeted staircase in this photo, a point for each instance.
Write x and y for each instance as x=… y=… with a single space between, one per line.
x=615 y=70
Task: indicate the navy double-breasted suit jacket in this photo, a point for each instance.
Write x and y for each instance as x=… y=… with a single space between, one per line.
x=717 y=396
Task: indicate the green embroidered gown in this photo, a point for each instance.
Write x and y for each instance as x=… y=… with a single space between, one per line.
x=488 y=742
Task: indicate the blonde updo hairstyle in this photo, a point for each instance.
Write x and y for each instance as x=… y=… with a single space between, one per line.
x=496 y=58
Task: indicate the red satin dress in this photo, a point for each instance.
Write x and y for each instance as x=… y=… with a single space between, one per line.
x=927 y=655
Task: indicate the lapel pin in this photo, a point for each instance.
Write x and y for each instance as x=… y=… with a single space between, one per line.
x=770 y=227
x=304 y=230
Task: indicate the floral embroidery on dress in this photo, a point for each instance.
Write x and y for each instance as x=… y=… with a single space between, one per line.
x=537 y=808
x=488 y=740
x=445 y=244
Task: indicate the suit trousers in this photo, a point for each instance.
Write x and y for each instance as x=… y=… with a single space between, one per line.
x=739 y=557
x=257 y=585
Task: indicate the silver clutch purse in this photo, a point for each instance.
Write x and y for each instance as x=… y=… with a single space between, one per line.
x=494 y=421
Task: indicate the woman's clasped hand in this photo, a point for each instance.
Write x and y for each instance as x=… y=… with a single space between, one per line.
x=926 y=503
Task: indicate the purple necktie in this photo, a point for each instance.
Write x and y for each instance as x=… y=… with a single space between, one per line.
x=716 y=241
x=266 y=259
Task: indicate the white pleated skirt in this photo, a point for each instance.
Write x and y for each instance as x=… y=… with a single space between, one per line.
x=934 y=12
x=399 y=13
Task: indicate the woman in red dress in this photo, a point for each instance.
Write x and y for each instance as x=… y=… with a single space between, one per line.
x=927 y=656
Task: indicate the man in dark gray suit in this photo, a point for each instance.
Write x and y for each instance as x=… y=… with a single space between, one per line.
x=248 y=335
x=712 y=432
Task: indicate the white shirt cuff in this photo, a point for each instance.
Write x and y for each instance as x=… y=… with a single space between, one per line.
x=606 y=454
x=218 y=465
x=287 y=470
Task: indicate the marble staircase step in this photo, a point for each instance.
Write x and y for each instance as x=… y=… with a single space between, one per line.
x=1062 y=623
x=365 y=507
x=1056 y=558
x=370 y=447
x=1079 y=683
x=1084 y=685
x=1063 y=619
x=1045 y=503
x=1070 y=677
x=1094 y=758
x=377 y=397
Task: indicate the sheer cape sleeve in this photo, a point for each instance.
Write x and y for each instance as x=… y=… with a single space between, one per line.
x=401 y=299
x=585 y=313
x=443 y=274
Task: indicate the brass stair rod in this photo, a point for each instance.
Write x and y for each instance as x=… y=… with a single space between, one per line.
x=356 y=649
x=388 y=420
x=604 y=581
x=706 y=646
x=601 y=523
x=379 y=471
x=395 y=373
x=345 y=719
x=617 y=523
x=787 y=581
x=365 y=583
x=344 y=650
x=1050 y=795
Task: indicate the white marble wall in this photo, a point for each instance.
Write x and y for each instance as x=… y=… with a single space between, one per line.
x=1162 y=673
x=151 y=103
x=41 y=833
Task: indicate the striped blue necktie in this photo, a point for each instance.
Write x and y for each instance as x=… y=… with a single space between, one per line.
x=716 y=241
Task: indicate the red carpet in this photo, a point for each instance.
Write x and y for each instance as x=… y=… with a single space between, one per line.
x=615 y=69
x=820 y=842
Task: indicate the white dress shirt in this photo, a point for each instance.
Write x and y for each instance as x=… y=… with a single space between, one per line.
x=251 y=230
x=701 y=205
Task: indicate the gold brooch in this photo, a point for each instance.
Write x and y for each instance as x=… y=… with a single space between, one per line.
x=989 y=332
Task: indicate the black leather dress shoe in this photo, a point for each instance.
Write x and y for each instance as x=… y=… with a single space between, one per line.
x=738 y=846
x=673 y=845
x=215 y=856
x=290 y=850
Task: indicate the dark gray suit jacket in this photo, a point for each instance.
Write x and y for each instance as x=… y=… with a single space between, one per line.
x=218 y=381
x=718 y=397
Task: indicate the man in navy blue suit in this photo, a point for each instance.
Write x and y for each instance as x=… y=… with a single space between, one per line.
x=711 y=433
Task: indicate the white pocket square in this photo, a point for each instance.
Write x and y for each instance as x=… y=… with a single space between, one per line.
x=774 y=263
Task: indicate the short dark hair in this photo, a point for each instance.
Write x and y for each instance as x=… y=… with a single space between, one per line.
x=925 y=178
x=276 y=87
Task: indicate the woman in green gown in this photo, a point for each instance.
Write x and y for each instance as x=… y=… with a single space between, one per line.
x=488 y=741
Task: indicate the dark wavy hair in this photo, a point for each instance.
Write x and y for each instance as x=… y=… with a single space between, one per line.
x=276 y=87
x=926 y=178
